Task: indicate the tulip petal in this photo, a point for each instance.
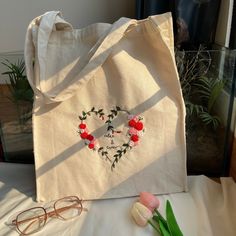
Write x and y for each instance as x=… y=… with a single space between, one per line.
x=149 y=200
x=141 y=214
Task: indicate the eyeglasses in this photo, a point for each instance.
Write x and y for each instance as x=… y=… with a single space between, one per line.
x=32 y=220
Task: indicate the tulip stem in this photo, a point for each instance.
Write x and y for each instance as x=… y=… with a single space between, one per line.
x=159 y=215
x=151 y=223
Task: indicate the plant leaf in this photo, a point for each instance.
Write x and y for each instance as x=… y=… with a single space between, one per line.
x=209 y=119
x=159 y=217
x=19 y=86
x=171 y=221
x=164 y=231
x=162 y=224
x=215 y=92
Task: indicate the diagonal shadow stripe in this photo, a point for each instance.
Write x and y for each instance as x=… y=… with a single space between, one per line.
x=153 y=100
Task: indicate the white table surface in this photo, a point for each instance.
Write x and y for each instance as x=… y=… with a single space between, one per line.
x=208 y=209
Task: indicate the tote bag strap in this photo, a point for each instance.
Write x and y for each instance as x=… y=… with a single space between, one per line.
x=48 y=23
x=41 y=28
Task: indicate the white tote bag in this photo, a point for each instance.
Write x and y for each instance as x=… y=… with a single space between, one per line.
x=108 y=116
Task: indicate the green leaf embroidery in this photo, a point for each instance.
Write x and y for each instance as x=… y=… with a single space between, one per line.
x=171 y=221
x=110 y=127
x=124 y=148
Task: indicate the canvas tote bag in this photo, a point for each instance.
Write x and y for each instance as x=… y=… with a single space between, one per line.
x=108 y=116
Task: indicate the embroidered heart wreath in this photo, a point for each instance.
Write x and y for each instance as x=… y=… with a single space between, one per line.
x=134 y=133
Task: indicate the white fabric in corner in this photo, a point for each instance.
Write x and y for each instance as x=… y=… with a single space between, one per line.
x=208 y=209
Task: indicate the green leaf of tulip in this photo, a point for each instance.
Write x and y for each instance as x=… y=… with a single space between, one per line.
x=159 y=217
x=171 y=221
x=164 y=231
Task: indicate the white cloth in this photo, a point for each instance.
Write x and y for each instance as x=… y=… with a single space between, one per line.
x=208 y=209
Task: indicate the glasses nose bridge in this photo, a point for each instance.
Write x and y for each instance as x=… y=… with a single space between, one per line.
x=51 y=211
x=48 y=208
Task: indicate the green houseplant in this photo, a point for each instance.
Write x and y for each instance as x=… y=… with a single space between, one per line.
x=16 y=128
x=20 y=91
x=202 y=84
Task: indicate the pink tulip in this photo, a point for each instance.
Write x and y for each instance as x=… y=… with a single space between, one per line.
x=141 y=214
x=149 y=200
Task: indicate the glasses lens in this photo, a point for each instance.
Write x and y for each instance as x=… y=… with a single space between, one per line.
x=31 y=221
x=68 y=207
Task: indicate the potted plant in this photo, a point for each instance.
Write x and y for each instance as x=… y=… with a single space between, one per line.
x=17 y=125
x=203 y=79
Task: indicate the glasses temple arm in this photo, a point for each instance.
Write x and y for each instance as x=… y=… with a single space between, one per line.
x=15 y=222
x=30 y=225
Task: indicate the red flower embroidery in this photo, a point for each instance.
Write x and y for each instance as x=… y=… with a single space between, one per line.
x=132 y=123
x=90 y=137
x=138 y=126
x=134 y=138
x=82 y=126
x=134 y=133
x=91 y=145
x=84 y=135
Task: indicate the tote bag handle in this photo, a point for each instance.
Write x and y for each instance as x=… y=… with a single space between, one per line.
x=41 y=28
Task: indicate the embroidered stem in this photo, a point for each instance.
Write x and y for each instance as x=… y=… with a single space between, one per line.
x=119 y=154
x=113 y=113
x=98 y=113
x=104 y=153
x=134 y=133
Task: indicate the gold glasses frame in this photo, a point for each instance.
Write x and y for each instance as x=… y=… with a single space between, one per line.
x=42 y=218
